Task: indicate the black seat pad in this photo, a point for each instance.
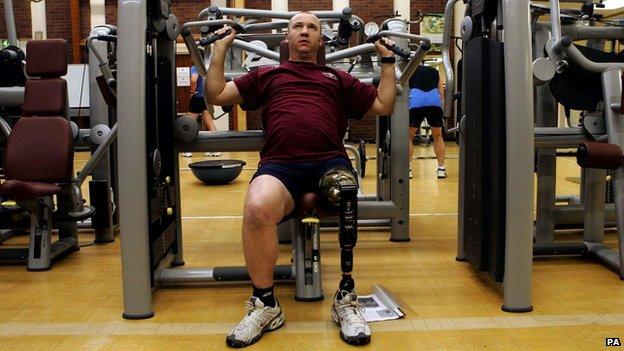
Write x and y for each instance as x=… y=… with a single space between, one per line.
x=577 y=88
x=314 y=201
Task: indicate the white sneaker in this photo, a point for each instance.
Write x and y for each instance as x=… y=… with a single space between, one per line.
x=187 y=154
x=347 y=313
x=259 y=319
x=441 y=172
x=212 y=154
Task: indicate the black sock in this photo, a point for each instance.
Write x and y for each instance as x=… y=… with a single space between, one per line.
x=266 y=295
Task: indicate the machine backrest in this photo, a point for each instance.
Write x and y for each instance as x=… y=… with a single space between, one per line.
x=46 y=58
x=577 y=88
x=46 y=93
x=40 y=150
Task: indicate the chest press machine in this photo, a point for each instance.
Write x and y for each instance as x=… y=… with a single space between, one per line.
x=149 y=197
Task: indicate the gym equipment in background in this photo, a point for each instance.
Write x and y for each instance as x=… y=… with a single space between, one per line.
x=217 y=172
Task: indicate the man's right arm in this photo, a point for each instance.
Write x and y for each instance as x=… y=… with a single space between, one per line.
x=216 y=90
x=194 y=79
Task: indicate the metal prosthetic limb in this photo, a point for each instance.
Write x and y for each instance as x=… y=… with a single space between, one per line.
x=311 y=261
x=339 y=186
x=307 y=256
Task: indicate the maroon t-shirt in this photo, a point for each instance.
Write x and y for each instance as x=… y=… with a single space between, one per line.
x=305 y=109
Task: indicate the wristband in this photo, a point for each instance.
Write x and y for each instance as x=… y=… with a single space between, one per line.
x=390 y=59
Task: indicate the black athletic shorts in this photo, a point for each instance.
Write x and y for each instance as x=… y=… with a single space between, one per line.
x=197 y=104
x=433 y=114
x=301 y=178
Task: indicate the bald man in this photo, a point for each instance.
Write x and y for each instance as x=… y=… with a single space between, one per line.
x=306 y=108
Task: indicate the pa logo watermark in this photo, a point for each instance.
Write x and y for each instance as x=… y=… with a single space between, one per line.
x=613 y=342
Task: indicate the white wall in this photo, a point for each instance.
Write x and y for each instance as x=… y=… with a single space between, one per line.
x=338 y=5
x=38 y=15
x=279 y=5
x=403 y=7
x=98 y=13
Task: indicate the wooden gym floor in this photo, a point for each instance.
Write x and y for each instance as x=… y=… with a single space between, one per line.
x=78 y=304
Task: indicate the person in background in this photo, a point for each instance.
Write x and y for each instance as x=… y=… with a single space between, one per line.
x=197 y=103
x=425 y=101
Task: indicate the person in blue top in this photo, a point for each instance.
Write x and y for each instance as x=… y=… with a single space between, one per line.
x=425 y=101
x=197 y=103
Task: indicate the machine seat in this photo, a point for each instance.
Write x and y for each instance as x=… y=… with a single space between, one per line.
x=313 y=201
x=21 y=190
x=38 y=156
x=40 y=150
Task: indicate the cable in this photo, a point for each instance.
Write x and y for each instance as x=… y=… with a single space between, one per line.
x=84 y=69
x=456 y=39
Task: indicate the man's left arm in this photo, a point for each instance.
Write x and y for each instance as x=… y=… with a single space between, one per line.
x=386 y=91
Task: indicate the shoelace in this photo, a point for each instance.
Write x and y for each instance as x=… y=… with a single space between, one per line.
x=352 y=312
x=251 y=319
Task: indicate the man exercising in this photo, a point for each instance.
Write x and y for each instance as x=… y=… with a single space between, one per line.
x=305 y=114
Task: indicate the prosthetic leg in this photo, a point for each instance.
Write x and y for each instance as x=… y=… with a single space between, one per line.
x=339 y=186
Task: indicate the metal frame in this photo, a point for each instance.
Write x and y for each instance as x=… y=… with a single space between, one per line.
x=515 y=19
x=520 y=143
x=446 y=58
x=592 y=211
x=519 y=206
x=612 y=87
x=133 y=215
x=41 y=252
x=9 y=16
x=102 y=159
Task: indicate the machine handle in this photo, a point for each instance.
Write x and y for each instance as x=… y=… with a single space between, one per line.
x=214 y=37
x=108 y=38
x=406 y=55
